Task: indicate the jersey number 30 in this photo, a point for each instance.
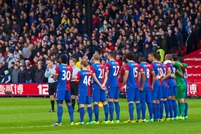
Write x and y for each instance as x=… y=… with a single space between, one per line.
x=66 y=75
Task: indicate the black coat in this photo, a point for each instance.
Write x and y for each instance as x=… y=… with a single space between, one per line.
x=21 y=77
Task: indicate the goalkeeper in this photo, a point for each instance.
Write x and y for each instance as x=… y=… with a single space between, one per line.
x=181 y=87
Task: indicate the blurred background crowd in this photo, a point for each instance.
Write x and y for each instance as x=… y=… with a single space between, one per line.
x=33 y=30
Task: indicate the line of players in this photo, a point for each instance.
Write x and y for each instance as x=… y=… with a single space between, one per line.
x=153 y=84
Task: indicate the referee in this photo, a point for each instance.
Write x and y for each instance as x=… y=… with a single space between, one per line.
x=52 y=84
x=73 y=85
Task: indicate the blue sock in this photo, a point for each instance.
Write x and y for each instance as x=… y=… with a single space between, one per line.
x=90 y=113
x=158 y=110
x=96 y=111
x=166 y=108
x=131 y=109
x=155 y=111
x=111 y=106
x=150 y=108
x=186 y=109
x=174 y=108
x=138 y=107
x=170 y=107
x=143 y=108
x=60 y=113
x=81 y=114
x=106 y=109
x=161 y=109
x=117 y=109
x=71 y=113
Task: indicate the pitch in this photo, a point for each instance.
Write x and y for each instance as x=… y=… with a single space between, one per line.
x=30 y=115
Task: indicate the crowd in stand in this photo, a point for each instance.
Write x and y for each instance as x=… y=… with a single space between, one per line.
x=33 y=30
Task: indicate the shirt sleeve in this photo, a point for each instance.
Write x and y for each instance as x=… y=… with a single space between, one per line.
x=92 y=69
x=57 y=70
x=141 y=69
x=126 y=67
x=107 y=67
x=152 y=68
x=78 y=77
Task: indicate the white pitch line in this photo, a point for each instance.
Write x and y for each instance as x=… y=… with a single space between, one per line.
x=25 y=127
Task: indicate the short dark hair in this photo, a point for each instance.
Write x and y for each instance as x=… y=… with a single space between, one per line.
x=129 y=56
x=73 y=60
x=153 y=54
x=168 y=56
x=63 y=58
x=111 y=54
x=175 y=57
x=85 y=63
x=158 y=57
x=142 y=58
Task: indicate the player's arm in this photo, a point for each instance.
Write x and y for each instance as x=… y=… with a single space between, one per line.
x=153 y=79
x=185 y=65
x=106 y=74
x=106 y=77
x=143 y=77
x=179 y=73
x=125 y=78
x=95 y=79
x=55 y=76
x=168 y=74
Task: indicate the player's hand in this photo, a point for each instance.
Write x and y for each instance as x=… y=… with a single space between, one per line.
x=172 y=76
x=103 y=87
x=152 y=87
x=141 y=89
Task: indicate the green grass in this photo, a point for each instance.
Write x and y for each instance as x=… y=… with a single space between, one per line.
x=30 y=115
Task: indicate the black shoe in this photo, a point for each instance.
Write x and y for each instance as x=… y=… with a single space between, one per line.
x=51 y=111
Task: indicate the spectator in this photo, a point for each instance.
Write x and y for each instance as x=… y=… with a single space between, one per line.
x=10 y=60
x=21 y=75
x=189 y=42
x=39 y=74
x=26 y=51
x=15 y=74
x=170 y=42
x=48 y=27
x=179 y=40
x=28 y=74
x=11 y=68
x=7 y=77
x=1 y=57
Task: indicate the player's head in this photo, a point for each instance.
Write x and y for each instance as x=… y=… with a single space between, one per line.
x=96 y=57
x=84 y=64
x=73 y=62
x=63 y=59
x=174 y=57
x=142 y=59
x=111 y=55
x=168 y=57
x=129 y=56
x=158 y=57
x=152 y=56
